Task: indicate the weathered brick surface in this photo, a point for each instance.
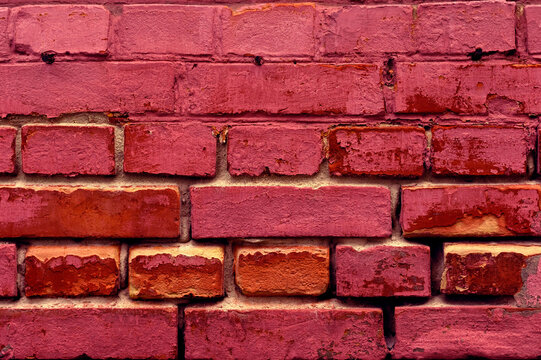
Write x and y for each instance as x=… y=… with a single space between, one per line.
x=267 y=29
x=462 y=27
x=70 y=211
x=176 y=271
x=173 y=149
x=459 y=332
x=166 y=30
x=352 y=89
x=493 y=269
x=67 y=332
x=75 y=270
x=476 y=210
x=436 y=87
x=340 y=333
x=8 y=270
x=282 y=270
x=270 y=211
x=4 y=38
x=68 y=150
x=533 y=21
x=64 y=29
x=7 y=149
x=389 y=151
x=480 y=150
x=382 y=271
x=93 y=86
x=282 y=150
x=360 y=29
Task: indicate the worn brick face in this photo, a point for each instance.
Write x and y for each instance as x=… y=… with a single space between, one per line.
x=8 y=270
x=4 y=38
x=533 y=21
x=54 y=270
x=166 y=271
x=7 y=149
x=282 y=270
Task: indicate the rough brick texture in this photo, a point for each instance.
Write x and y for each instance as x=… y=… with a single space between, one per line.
x=392 y=151
x=66 y=332
x=282 y=271
x=477 y=210
x=340 y=333
x=459 y=332
x=8 y=270
x=282 y=150
x=69 y=211
x=382 y=271
x=4 y=38
x=68 y=150
x=7 y=149
x=52 y=270
x=172 y=149
x=533 y=20
x=244 y=211
x=160 y=272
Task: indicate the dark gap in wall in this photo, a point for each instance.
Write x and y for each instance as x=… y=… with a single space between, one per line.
x=180 y=337
x=331 y=291
x=389 y=326
x=436 y=265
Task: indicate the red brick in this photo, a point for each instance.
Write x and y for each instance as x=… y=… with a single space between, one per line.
x=64 y=29
x=476 y=210
x=435 y=87
x=173 y=149
x=533 y=27
x=7 y=149
x=462 y=27
x=352 y=89
x=69 y=87
x=480 y=150
x=272 y=211
x=288 y=333
x=8 y=270
x=70 y=211
x=493 y=269
x=98 y=332
x=382 y=271
x=283 y=150
x=390 y=151
x=4 y=37
x=266 y=30
x=68 y=150
x=459 y=332
x=74 y=270
x=360 y=29
x=176 y=271
x=282 y=270
x=149 y=30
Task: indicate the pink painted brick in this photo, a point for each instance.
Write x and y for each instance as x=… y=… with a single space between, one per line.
x=387 y=151
x=363 y=29
x=174 y=149
x=98 y=332
x=93 y=86
x=68 y=150
x=272 y=211
x=146 y=30
x=266 y=30
x=459 y=332
x=4 y=37
x=533 y=27
x=435 y=87
x=73 y=29
x=8 y=271
x=300 y=333
x=282 y=89
x=7 y=149
x=480 y=150
x=471 y=210
x=462 y=27
x=382 y=271
x=282 y=150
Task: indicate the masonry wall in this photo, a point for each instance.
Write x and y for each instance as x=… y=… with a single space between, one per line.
x=268 y=181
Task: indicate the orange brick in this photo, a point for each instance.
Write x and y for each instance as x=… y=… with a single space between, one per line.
x=282 y=271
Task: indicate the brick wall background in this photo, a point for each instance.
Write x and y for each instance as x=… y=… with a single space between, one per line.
x=268 y=181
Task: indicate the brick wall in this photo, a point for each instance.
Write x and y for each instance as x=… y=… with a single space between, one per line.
x=232 y=179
